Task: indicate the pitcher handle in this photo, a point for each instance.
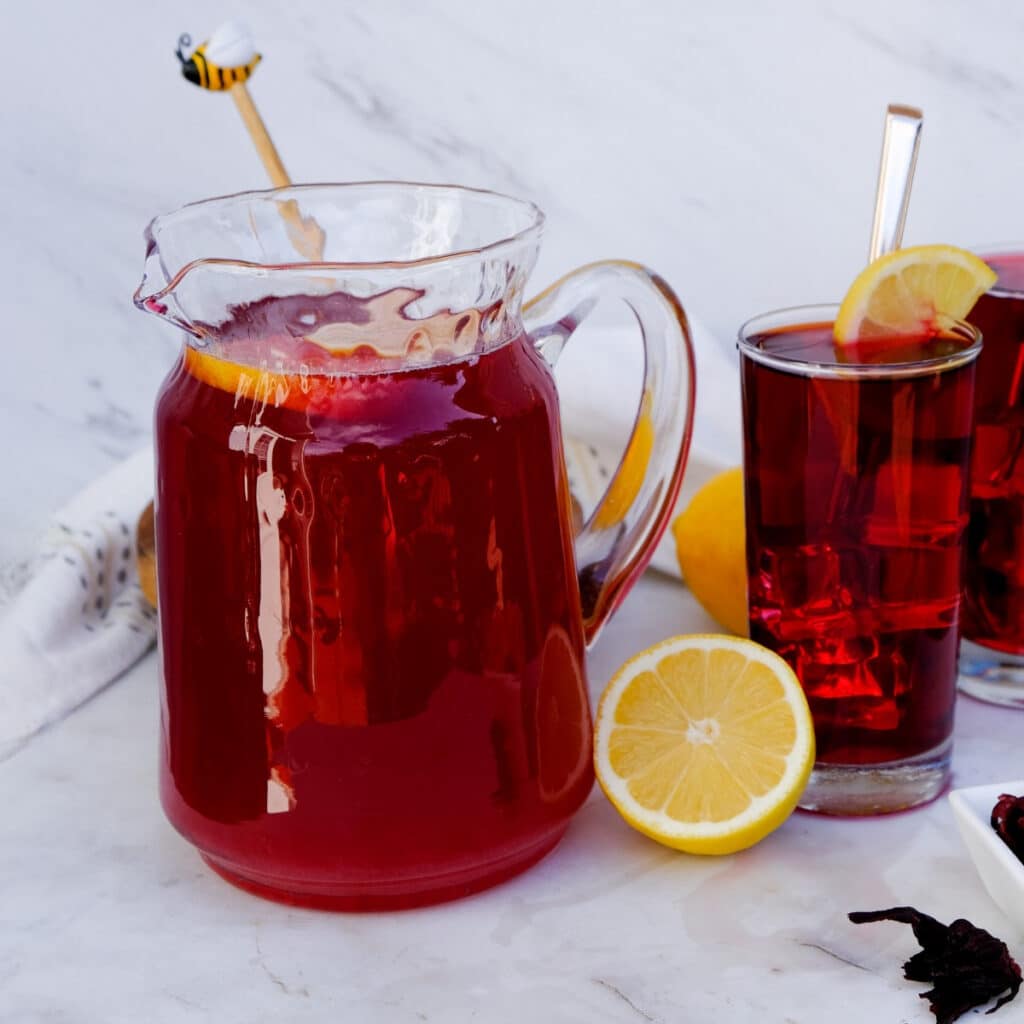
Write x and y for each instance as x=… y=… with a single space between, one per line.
x=615 y=544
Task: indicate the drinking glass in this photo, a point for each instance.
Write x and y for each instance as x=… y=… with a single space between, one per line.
x=856 y=470
x=992 y=653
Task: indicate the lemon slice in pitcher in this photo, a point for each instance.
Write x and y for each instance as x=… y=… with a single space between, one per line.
x=704 y=742
x=909 y=291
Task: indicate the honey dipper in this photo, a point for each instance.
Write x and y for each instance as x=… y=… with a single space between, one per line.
x=225 y=62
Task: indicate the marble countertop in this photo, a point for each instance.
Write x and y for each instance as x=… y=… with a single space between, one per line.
x=733 y=148
x=107 y=915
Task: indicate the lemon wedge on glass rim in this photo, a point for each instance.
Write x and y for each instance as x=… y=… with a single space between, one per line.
x=704 y=742
x=911 y=291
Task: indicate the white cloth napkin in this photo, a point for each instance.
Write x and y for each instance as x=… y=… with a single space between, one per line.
x=73 y=618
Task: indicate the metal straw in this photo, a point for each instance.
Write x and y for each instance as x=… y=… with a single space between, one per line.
x=895 y=176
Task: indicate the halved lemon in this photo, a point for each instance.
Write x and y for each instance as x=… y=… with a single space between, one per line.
x=704 y=742
x=711 y=549
x=909 y=291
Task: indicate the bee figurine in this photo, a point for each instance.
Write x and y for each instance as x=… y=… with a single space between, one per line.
x=227 y=58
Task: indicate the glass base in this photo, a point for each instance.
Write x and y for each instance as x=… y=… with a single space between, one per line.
x=383 y=894
x=990 y=675
x=856 y=789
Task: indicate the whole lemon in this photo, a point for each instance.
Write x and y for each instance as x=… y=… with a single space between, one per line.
x=711 y=548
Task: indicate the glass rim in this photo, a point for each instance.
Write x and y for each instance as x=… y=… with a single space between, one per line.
x=531 y=229
x=992 y=250
x=825 y=313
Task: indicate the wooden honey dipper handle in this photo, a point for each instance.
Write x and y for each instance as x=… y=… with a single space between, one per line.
x=145 y=553
x=260 y=136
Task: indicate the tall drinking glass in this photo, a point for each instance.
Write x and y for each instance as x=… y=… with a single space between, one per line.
x=856 y=467
x=992 y=655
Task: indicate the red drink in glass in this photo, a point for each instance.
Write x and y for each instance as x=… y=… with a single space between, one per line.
x=394 y=602
x=993 y=661
x=856 y=464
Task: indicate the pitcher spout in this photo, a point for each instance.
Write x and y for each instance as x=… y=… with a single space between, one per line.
x=155 y=293
x=376 y=273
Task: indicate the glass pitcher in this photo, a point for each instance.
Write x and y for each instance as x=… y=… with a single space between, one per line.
x=373 y=608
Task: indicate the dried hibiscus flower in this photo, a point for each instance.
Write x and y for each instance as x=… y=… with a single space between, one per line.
x=966 y=966
x=1008 y=821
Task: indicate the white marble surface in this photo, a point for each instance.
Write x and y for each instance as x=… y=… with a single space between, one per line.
x=733 y=148
x=108 y=916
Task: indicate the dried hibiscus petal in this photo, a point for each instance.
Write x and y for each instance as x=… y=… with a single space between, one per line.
x=1008 y=821
x=966 y=966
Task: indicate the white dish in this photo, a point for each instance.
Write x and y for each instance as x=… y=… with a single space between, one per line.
x=1000 y=871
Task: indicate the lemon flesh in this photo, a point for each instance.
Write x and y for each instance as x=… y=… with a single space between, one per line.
x=912 y=291
x=704 y=743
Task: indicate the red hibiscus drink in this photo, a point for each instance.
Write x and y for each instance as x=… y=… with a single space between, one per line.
x=992 y=658
x=856 y=468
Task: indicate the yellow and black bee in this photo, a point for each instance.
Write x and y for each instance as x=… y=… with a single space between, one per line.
x=225 y=59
